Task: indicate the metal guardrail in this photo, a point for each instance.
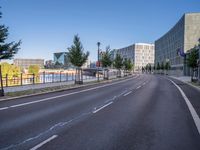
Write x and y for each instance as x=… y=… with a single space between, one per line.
x=30 y=79
x=42 y=78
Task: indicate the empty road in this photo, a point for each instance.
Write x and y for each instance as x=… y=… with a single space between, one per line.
x=144 y=112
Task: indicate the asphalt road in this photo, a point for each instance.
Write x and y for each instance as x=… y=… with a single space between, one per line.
x=146 y=112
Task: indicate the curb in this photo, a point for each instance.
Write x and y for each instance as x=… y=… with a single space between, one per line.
x=188 y=83
x=63 y=89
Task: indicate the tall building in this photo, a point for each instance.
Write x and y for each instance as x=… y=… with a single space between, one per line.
x=61 y=60
x=25 y=63
x=177 y=41
x=140 y=54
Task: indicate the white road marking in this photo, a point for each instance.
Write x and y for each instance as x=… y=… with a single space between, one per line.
x=128 y=93
x=3 y=108
x=191 y=108
x=57 y=125
x=59 y=96
x=144 y=83
x=44 y=142
x=139 y=87
x=95 y=111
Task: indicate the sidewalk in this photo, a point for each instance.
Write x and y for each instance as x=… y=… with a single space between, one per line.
x=37 y=89
x=183 y=78
x=187 y=80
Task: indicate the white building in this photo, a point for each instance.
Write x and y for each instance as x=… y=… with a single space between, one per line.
x=140 y=54
x=86 y=64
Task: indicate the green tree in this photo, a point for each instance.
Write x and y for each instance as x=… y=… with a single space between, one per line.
x=16 y=71
x=34 y=69
x=106 y=58
x=7 y=50
x=162 y=66
x=128 y=66
x=192 y=61
x=6 y=69
x=77 y=57
x=147 y=68
x=154 y=68
x=167 y=66
x=150 y=68
x=9 y=72
x=158 y=67
x=106 y=61
x=125 y=65
x=118 y=64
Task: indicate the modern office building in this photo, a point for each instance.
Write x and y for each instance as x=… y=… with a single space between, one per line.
x=61 y=60
x=25 y=63
x=140 y=54
x=49 y=64
x=176 y=42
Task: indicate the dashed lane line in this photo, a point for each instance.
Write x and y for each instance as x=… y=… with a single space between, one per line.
x=138 y=87
x=64 y=95
x=95 y=111
x=44 y=142
x=128 y=93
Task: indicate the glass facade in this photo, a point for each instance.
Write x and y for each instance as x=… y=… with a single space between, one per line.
x=61 y=60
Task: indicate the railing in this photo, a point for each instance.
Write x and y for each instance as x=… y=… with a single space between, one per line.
x=42 y=78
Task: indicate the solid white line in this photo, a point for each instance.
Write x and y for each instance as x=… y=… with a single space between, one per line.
x=59 y=96
x=3 y=108
x=102 y=108
x=128 y=93
x=191 y=108
x=139 y=87
x=44 y=142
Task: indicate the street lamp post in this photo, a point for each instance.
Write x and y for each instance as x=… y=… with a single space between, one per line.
x=98 y=44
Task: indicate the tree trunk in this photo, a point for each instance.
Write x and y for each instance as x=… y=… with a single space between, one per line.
x=78 y=76
x=1 y=80
x=192 y=75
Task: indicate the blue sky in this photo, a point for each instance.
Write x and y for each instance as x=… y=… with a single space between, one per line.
x=48 y=26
